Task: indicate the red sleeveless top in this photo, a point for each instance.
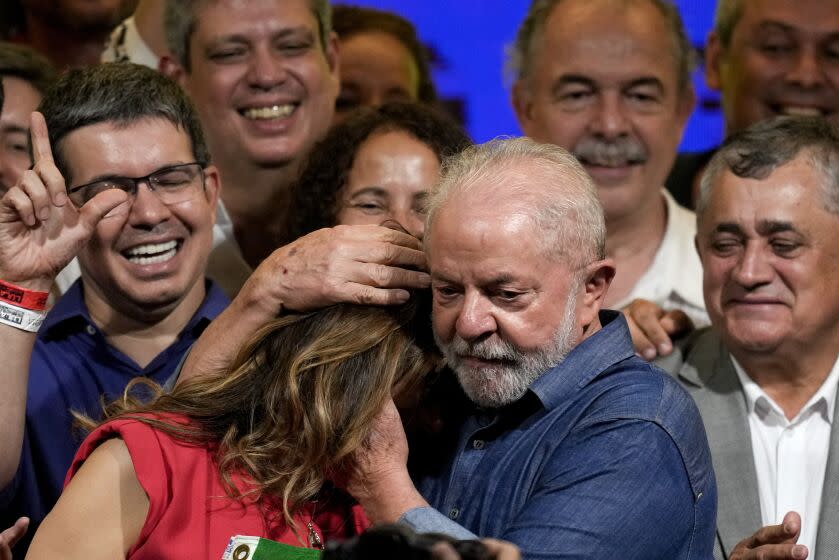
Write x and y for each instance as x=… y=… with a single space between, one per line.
x=190 y=515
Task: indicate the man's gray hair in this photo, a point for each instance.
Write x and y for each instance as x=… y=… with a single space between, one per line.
x=522 y=52
x=546 y=183
x=727 y=15
x=754 y=153
x=179 y=22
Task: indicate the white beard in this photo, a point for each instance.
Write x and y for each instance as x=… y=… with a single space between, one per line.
x=506 y=382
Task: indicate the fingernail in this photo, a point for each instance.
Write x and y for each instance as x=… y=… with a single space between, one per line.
x=663 y=348
x=787 y=528
x=648 y=354
x=60 y=199
x=44 y=213
x=799 y=551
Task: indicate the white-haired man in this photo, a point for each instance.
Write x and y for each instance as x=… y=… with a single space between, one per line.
x=569 y=445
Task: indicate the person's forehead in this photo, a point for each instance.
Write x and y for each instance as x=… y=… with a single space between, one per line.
x=819 y=17
x=133 y=149
x=253 y=17
x=790 y=194
x=21 y=98
x=606 y=37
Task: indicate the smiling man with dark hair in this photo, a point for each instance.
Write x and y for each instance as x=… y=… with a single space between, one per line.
x=123 y=181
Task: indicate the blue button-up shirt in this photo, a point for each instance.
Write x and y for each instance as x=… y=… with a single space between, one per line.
x=72 y=365
x=604 y=457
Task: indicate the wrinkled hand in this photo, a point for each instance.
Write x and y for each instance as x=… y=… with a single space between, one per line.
x=355 y=264
x=773 y=542
x=40 y=229
x=378 y=474
x=11 y=536
x=652 y=328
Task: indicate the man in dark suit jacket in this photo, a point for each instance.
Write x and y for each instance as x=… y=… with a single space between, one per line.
x=765 y=374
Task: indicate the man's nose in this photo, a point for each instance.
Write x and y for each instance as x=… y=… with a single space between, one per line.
x=147 y=210
x=265 y=69
x=610 y=118
x=753 y=268
x=476 y=319
x=807 y=72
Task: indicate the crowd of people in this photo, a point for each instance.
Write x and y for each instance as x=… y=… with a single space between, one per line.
x=254 y=280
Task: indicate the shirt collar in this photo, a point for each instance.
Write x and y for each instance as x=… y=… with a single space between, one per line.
x=675 y=257
x=597 y=353
x=71 y=306
x=756 y=397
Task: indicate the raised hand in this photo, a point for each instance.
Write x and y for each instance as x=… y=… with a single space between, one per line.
x=652 y=328
x=40 y=229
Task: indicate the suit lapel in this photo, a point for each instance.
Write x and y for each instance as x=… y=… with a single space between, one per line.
x=714 y=385
x=827 y=539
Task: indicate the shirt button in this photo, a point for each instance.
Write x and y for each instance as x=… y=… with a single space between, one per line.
x=91 y=330
x=454 y=513
x=478 y=444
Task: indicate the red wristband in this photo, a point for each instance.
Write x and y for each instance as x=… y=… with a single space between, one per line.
x=21 y=297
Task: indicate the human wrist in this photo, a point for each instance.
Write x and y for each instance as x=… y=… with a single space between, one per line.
x=30 y=294
x=387 y=499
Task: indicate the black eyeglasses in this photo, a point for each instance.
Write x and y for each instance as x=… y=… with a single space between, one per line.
x=172 y=185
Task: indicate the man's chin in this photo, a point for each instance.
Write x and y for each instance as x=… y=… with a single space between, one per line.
x=490 y=387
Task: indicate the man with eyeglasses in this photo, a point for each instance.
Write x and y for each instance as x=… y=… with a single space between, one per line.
x=122 y=180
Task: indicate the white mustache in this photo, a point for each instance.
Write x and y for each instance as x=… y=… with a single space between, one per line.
x=485 y=350
x=610 y=153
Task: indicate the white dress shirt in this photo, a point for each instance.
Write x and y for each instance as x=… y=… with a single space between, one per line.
x=674 y=279
x=790 y=456
x=126 y=45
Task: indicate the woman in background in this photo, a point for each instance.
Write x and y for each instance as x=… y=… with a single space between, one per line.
x=374 y=167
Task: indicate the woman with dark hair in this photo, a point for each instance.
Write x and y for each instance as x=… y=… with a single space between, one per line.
x=382 y=60
x=249 y=450
x=374 y=167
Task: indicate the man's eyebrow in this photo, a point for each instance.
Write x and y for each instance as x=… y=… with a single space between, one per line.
x=279 y=34
x=646 y=81
x=573 y=79
x=728 y=227
x=768 y=227
x=14 y=128
x=773 y=25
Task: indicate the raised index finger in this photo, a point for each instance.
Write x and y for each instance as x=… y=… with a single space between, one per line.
x=41 y=150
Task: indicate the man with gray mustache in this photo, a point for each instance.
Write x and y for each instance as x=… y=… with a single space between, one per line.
x=609 y=80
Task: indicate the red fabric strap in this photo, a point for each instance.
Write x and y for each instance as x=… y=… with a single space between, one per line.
x=21 y=297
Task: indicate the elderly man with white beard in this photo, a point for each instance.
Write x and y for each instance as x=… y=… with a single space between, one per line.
x=570 y=445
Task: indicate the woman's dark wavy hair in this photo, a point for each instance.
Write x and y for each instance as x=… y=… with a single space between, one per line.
x=315 y=196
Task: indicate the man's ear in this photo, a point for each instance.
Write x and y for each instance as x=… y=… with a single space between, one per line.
x=713 y=61
x=212 y=187
x=172 y=69
x=522 y=105
x=331 y=52
x=597 y=278
x=686 y=104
